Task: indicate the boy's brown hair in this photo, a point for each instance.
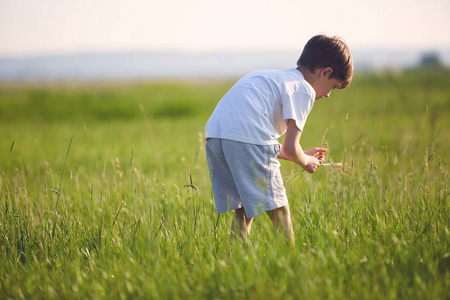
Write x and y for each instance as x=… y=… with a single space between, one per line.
x=322 y=51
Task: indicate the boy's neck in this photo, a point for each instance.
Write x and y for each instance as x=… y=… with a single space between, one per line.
x=309 y=76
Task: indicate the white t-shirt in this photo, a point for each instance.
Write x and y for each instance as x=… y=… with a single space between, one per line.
x=256 y=109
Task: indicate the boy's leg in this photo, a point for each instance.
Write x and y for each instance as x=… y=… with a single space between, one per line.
x=281 y=219
x=241 y=224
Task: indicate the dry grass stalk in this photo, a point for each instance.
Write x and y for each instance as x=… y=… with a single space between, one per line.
x=323 y=143
x=340 y=167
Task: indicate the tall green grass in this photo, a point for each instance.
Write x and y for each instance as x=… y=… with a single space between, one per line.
x=125 y=209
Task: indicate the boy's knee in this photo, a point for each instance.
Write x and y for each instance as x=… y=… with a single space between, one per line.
x=281 y=210
x=279 y=214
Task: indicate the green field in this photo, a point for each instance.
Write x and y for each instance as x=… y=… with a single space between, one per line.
x=105 y=193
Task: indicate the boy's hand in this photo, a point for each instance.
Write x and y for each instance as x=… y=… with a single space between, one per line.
x=315 y=157
x=312 y=163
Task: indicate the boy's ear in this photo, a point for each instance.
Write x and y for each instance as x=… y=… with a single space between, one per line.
x=326 y=72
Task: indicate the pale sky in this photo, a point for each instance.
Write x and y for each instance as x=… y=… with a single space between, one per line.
x=30 y=27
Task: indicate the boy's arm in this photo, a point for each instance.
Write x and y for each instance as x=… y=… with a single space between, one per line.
x=291 y=150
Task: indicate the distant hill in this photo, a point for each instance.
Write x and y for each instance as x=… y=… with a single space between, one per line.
x=152 y=64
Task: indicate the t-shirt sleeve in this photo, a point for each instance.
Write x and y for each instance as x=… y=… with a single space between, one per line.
x=297 y=106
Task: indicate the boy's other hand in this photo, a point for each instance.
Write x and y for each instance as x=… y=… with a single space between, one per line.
x=317 y=153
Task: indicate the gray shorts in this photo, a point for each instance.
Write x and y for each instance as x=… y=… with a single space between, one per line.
x=245 y=175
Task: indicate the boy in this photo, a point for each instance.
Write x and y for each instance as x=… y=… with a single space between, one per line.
x=242 y=149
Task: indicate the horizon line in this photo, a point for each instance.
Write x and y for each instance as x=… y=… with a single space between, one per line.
x=66 y=53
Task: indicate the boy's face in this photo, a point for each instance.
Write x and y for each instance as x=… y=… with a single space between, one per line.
x=323 y=84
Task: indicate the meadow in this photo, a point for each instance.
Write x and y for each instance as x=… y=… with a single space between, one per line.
x=105 y=194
